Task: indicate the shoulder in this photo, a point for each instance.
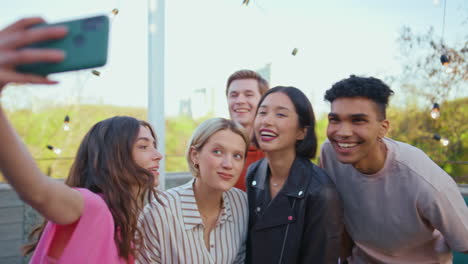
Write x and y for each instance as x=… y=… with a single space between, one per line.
x=169 y=200
x=326 y=145
x=329 y=161
x=96 y=214
x=320 y=184
x=174 y=193
x=238 y=204
x=412 y=162
x=326 y=149
x=253 y=168
x=237 y=195
x=93 y=202
x=403 y=150
x=404 y=153
x=317 y=174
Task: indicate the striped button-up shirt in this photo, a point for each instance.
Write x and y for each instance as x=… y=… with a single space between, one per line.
x=174 y=229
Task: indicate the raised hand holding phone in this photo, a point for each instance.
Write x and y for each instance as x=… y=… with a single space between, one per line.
x=19 y=34
x=85 y=46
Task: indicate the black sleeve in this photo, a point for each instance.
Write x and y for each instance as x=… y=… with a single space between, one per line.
x=323 y=227
x=248 y=188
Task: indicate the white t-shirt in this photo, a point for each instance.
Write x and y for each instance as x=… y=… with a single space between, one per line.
x=411 y=211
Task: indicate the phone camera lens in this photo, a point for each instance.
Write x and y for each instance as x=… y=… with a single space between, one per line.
x=79 y=40
x=93 y=24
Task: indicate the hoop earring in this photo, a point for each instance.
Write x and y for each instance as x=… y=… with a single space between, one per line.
x=196 y=166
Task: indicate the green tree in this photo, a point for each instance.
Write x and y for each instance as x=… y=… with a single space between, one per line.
x=424 y=81
x=416 y=127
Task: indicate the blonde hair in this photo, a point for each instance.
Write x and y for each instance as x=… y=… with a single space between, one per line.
x=208 y=128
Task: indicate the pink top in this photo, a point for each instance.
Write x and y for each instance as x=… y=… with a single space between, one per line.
x=92 y=240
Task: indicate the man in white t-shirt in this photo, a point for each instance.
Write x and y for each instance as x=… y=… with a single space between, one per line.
x=399 y=206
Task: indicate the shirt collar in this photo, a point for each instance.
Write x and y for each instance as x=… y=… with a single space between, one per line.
x=297 y=182
x=190 y=213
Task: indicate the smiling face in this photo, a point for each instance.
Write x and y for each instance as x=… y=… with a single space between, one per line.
x=243 y=97
x=277 y=124
x=354 y=129
x=220 y=160
x=145 y=153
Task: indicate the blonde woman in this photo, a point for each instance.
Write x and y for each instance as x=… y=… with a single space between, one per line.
x=205 y=220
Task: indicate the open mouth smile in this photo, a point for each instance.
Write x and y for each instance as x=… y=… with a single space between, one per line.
x=267 y=135
x=241 y=110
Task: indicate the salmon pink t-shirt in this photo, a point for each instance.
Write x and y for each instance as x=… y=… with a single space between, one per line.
x=253 y=154
x=92 y=240
x=409 y=212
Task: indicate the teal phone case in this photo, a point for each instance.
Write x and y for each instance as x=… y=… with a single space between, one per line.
x=85 y=46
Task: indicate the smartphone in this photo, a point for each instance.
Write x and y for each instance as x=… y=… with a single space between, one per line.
x=85 y=46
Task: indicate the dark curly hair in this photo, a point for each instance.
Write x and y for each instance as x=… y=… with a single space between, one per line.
x=356 y=86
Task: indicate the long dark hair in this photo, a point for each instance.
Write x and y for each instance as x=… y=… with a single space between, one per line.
x=104 y=164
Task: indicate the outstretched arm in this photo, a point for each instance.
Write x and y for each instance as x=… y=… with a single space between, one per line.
x=53 y=199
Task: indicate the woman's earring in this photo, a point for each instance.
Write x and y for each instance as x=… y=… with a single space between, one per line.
x=197 y=170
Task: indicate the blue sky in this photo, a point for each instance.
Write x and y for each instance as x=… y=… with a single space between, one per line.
x=206 y=40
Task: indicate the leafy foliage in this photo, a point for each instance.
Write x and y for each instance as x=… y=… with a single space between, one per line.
x=424 y=81
x=44 y=127
x=416 y=127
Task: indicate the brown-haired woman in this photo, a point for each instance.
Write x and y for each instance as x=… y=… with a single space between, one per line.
x=93 y=217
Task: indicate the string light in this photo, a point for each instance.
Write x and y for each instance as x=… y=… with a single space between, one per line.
x=445 y=59
x=66 y=123
x=56 y=150
x=435 y=112
x=444 y=141
x=294 y=52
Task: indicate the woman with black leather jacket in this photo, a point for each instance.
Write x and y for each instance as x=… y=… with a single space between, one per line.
x=295 y=213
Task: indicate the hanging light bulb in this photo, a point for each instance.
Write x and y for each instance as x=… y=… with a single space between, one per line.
x=66 y=123
x=115 y=11
x=445 y=59
x=435 y=112
x=443 y=140
x=56 y=150
x=97 y=73
x=294 y=52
